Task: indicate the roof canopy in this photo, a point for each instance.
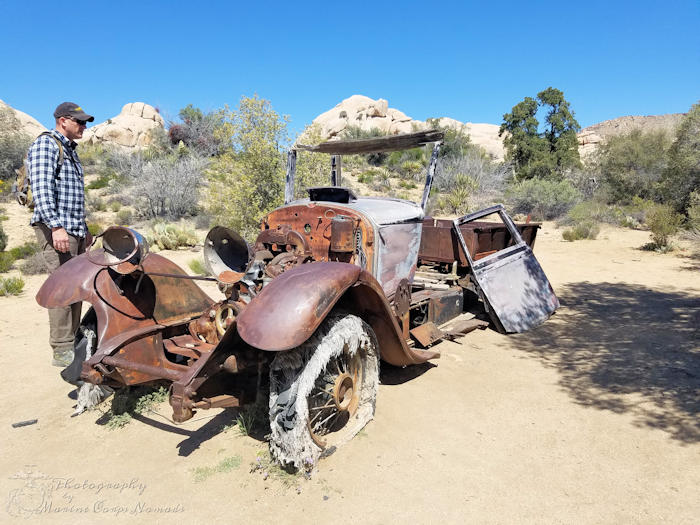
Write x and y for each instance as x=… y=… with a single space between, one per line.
x=375 y=144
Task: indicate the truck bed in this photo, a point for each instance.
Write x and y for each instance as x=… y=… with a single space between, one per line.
x=439 y=242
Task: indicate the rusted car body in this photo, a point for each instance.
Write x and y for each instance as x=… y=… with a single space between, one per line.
x=332 y=284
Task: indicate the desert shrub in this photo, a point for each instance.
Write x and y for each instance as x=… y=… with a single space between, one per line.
x=407 y=184
x=545 y=199
x=95 y=228
x=3 y=238
x=102 y=181
x=356 y=132
x=370 y=175
x=682 y=175
x=631 y=164
x=456 y=142
x=91 y=154
x=200 y=132
x=663 y=222
x=168 y=186
x=694 y=211
x=420 y=155
x=582 y=230
x=34 y=265
x=95 y=203
x=381 y=181
x=456 y=201
x=202 y=221
x=115 y=206
x=590 y=210
x=11 y=285
x=8 y=258
x=14 y=145
x=25 y=250
x=6 y=262
x=197 y=266
x=125 y=216
x=171 y=236
x=133 y=400
x=488 y=177
x=412 y=169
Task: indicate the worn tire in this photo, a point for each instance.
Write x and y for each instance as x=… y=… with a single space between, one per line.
x=334 y=376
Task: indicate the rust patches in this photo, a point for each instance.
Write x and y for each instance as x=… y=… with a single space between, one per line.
x=290 y=308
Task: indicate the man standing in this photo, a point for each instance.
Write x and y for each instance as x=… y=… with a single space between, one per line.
x=59 y=212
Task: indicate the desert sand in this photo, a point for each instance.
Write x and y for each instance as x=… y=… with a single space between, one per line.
x=590 y=418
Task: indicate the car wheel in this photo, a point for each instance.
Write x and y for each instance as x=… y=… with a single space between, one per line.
x=323 y=392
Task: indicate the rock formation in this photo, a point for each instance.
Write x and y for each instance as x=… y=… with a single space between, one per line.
x=28 y=125
x=590 y=138
x=367 y=114
x=130 y=129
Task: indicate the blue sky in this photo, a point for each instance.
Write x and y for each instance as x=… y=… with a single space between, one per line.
x=471 y=61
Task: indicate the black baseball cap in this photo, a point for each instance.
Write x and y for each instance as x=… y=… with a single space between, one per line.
x=71 y=109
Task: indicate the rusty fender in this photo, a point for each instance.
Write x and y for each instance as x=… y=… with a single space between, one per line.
x=289 y=309
x=122 y=313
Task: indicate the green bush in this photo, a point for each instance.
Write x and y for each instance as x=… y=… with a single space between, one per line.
x=25 y=250
x=125 y=216
x=663 y=222
x=632 y=164
x=3 y=239
x=133 y=400
x=6 y=262
x=11 y=285
x=366 y=177
x=115 y=206
x=171 y=236
x=694 y=211
x=582 y=230
x=682 y=176
x=102 y=181
x=197 y=267
x=8 y=258
x=95 y=228
x=544 y=199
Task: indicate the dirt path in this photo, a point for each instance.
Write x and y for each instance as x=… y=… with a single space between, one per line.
x=592 y=418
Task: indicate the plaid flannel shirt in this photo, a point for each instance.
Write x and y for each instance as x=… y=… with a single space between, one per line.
x=58 y=200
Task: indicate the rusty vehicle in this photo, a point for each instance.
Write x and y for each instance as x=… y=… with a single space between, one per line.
x=333 y=284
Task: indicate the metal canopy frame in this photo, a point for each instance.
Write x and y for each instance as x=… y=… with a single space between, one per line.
x=336 y=148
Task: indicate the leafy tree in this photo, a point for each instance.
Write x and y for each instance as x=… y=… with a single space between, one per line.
x=247 y=180
x=631 y=164
x=456 y=143
x=538 y=154
x=199 y=131
x=682 y=175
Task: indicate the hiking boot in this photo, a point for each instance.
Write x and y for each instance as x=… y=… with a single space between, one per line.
x=63 y=357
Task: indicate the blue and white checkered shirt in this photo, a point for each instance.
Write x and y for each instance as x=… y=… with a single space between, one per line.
x=58 y=200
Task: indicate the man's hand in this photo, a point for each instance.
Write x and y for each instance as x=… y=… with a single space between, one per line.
x=59 y=238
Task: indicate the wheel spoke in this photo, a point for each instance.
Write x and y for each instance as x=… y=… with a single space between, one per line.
x=322 y=422
x=329 y=405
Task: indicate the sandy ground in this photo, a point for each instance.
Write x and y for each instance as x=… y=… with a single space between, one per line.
x=591 y=418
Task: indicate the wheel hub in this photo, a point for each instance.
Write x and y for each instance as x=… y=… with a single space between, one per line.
x=343 y=390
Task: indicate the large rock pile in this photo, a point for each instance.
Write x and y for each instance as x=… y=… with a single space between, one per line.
x=367 y=114
x=130 y=129
x=28 y=125
x=590 y=138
